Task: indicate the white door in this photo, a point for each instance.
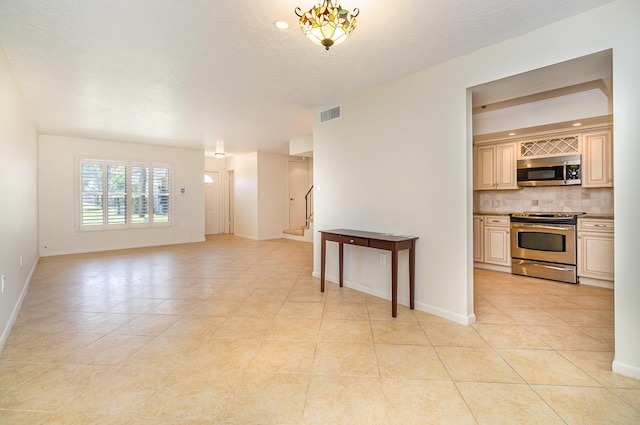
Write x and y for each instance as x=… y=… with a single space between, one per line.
x=212 y=202
x=297 y=190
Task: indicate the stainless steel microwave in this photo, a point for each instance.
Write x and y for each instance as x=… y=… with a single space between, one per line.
x=551 y=171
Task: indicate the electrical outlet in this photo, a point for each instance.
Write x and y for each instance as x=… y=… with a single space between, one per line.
x=383 y=259
x=21 y=261
x=3 y=277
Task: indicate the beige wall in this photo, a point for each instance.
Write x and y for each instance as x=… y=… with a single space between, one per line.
x=245 y=172
x=58 y=191
x=400 y=160
x=19 y=189
x=261 y=194
x=273 y=195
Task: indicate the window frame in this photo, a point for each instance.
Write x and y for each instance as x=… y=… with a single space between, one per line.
x=151 y=194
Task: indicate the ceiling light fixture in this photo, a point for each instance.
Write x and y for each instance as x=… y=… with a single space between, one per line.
x=219 y=153
x=327 y=24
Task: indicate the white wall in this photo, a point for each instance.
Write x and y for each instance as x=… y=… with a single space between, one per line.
x=301 y=146
x=19 y=189
x=273 y=195
x=214 y=164
x=261 y=194
x=58 y=189
x=399 y=160
x=592 y=103
x=245 y=171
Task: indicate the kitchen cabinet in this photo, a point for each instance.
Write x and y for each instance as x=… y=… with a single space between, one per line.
x=597 y=159
x=595 y=249
x=495 y=166
x=497 y=242
x=478 y=238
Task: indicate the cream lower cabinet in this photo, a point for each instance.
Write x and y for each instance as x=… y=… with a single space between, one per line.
x=497 y=241
x=595 y=249
x=478 y=238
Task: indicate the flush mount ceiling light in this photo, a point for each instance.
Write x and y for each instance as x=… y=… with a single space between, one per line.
x=327 y=24
x=219 y=153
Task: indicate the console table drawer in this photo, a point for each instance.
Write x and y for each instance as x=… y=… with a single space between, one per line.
x=381 y=244
x=352 y=240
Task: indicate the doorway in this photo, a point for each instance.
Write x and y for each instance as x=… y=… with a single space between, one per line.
x=219 y=202
x=575 y=93
x=212 y=203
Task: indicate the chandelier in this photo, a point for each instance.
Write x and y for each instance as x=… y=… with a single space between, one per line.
x=327 y=24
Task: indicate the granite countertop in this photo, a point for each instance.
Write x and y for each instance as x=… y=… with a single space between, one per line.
x=587 y=215
x=598 y=216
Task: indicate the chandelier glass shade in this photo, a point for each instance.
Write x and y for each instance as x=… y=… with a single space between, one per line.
x=327 y=24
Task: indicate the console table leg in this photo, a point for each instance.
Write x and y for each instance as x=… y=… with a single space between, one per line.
x=341 y=260
x=412 y=274
x=323 y=255
x=394 y=282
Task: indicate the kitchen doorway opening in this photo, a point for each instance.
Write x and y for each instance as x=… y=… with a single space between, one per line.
x=562 y=99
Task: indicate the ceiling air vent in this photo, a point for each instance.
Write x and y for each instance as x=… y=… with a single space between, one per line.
x=330 y=114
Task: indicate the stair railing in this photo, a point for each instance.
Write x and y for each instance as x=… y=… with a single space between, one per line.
x=308 y=205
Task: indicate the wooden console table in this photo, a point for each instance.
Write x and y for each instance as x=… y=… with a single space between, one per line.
x=386 y=241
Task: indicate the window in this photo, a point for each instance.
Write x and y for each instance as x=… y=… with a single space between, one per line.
x=121 y=194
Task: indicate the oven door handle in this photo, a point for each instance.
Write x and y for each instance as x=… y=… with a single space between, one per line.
x=542 y=226
x=544 y=266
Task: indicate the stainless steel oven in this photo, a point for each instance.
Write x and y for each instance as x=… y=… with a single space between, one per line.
x=544 y=245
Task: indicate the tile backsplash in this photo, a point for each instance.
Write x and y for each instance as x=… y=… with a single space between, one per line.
x=545 y=199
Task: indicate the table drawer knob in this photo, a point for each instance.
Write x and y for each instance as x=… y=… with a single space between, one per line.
x=351 y=241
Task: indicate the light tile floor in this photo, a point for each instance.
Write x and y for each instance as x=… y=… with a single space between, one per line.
x=233 y=331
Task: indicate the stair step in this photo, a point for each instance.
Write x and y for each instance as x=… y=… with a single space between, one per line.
x=297 y=232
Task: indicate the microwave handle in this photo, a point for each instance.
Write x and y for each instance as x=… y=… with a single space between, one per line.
x=564 y=172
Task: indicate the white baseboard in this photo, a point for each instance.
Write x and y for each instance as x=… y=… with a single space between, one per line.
x=596 y=282
x=445 y=314
x=626 y=369
x=494 y=267
x=16 y=309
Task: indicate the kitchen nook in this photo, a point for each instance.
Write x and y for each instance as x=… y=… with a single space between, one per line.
x=543 y=182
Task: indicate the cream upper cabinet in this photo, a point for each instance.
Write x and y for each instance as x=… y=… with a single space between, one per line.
x=507 y=161
x=595 y=249
x=495 y=166
x=478 y=239
x=484 y=159
x=597 y=159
